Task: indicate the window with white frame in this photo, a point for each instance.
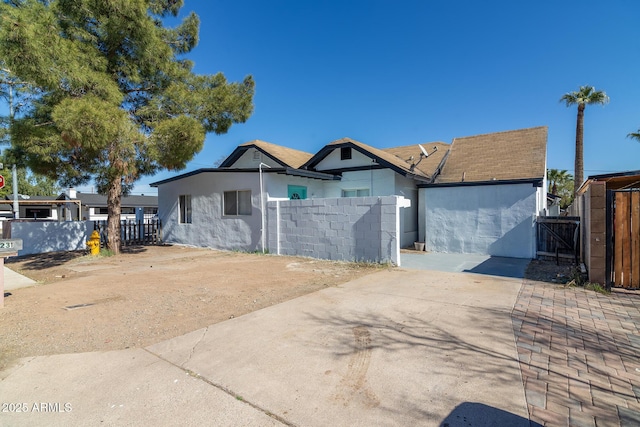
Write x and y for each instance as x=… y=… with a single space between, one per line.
x=184 y=209
x=356 y=192
x=237 y=202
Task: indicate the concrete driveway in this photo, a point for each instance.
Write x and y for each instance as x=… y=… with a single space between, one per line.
x=398 y=347
x=465 y=263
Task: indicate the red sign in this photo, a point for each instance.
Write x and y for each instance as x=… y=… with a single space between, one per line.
x=1 y=181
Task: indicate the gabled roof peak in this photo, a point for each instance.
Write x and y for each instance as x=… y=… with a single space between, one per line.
x=344 y=140
x=285 y=156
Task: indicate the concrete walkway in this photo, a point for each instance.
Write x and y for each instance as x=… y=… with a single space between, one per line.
x=397 y=347
x=13 y=280
x=465 y=263
x=579 y=355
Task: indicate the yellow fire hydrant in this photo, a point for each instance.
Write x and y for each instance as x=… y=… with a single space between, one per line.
x=94 y=243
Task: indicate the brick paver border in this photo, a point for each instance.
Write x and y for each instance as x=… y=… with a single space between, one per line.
x=579 y=354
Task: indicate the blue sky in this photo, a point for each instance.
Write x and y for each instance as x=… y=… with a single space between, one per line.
x=391 y=73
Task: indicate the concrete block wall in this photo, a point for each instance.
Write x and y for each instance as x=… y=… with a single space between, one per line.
x=50 y=236
x=593 y=221
x=344 y=229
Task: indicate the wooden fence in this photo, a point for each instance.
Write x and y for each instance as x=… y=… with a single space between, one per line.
x=557 y=237
x=133 y=233
x=626 y=238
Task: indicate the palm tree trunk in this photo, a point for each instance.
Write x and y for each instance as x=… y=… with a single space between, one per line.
x=113 y=215
x=579 y=161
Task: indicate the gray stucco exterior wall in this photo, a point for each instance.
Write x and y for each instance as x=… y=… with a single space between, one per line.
x=497 y=220
x=337 y=228
x=345 y=229
x=209 y=226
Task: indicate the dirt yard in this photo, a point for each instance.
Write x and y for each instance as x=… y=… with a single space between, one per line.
x=147 y=295
x=154 y=293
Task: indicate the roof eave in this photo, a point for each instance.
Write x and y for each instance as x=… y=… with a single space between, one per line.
x=181 y=176
x=312 y=174
x=536 y=182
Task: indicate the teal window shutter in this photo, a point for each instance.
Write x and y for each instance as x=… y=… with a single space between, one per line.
x=297 y=192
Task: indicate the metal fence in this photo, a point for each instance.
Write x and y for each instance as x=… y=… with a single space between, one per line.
x=133 y=233
x=558 y=237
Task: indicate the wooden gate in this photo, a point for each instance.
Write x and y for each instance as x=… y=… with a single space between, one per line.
x=625 y=263
x=557 y=237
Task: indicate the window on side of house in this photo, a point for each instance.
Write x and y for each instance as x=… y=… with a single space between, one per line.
x=37 y=213
x=123 y=211
x=345 y=153
x=356 y=192
x=237 y=202
x=184 y=208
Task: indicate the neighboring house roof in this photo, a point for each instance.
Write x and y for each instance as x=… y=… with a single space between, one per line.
x=98 y=200
x=23 y=197
x=502 y=156
x=34 y=200
x=287 y=157
x=6 y=203
x=615 y=181
x=389 y=158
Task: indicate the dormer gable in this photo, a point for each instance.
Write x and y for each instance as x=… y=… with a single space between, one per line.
x=251 y=154
x=346 y=154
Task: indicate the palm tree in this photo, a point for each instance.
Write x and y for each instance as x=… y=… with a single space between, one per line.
x=561 y=184
x=634 y=135
x=557 y=178
x=584 y=96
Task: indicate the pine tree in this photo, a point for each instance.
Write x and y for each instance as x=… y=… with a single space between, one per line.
x=117 y=97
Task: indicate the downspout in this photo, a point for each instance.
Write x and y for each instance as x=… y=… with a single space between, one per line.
x=262 y=214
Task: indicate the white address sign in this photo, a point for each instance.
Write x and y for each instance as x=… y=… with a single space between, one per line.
x=10 y=245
